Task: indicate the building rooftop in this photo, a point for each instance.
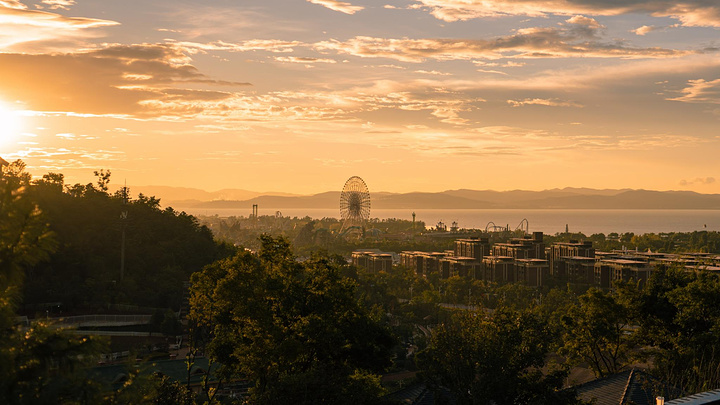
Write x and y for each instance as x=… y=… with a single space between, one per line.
x=628 y=387
x=586 y=243
x=581 y=258
x=702 y=267
x=703 y=398
x=624 y=261
x=498 y=257
x=535 y=261
x=461 y=258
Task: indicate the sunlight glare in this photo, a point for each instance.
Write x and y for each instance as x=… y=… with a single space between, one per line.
x=10 y=126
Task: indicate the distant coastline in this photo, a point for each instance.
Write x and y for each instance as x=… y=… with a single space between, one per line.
x=560 y=199
x=550 y=221
x=471 y=199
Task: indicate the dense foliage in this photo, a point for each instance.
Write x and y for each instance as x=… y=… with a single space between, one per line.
x=294 y=329
x=495 y=358
x=667 y=242
x=163 y=247
x=317 y=330
x=327 y=235
x=38 y=364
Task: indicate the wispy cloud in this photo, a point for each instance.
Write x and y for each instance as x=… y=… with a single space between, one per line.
x=67 y=158
x=699 y=180
x=112 y=80
x=13 y=4
x=25 y=29
x=577 y=37
x=700 y=91
x=433 y=72
x=543 y=102
x=705 y=13
x=646 y=29
x=303 y=59
x=59 y=4
x=269 y=45
x=341 y=6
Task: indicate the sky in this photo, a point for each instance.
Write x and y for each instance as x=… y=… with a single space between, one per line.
x=411 y=95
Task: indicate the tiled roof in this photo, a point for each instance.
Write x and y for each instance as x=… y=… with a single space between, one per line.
x=703 y=398
x=628 y=387
x=418 y=394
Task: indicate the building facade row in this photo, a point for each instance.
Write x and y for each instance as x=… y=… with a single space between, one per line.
x=527 y=260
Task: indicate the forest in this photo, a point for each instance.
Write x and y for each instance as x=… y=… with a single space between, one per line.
x=306 y=327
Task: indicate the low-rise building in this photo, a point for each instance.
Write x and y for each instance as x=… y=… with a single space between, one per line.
x=609 y=271
x=476 y=248
x=560 y=251
x=500 y=269
x=532 y=272
x=458 y=266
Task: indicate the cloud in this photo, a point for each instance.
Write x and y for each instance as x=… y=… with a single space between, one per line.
x=114 y=80
x=27 y=29
x=433 y=72
x=645 y=29
x=543 y=102
x=497 y=64
x=532 y=143
x=576 y=38
x=407 y=101
x=305 y=60
x=53 y=158
x=700 y=91
x=74 y=137
x=269 y=45
x=13 y=4
x=336 y=5
x=497 y=72
x=698 y=13
x=699 y=180
x=59 y=4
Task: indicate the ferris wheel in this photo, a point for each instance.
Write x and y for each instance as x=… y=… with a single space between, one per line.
x=354 y=202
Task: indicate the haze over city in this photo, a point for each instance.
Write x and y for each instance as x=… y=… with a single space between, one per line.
x=414 y=95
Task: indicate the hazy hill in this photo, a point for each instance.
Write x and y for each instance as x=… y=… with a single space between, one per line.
x=567 y=198
x=430 y=200
x=633 y=199
x=186 y=196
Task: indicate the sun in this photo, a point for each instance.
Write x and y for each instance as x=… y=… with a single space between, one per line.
x=10 y=126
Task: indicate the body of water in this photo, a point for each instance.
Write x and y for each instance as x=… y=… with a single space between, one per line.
x=548 y=221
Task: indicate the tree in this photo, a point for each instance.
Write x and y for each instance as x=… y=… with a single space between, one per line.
x=48 y=365
x=595 y=333
x=103 y=179
x=156 y=388
x=296 y=330
x=163 y=248
x=40 y=364
x=25 y=239
x=494 y=358
x=679 y=317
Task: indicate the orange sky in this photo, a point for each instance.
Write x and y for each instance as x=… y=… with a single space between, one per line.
x=413 y=95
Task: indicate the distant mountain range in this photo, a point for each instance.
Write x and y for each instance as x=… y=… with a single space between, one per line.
x=567 y=198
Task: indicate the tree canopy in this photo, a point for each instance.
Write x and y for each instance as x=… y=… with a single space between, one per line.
x=296 y=330
x=494 y=358
x=162 y=248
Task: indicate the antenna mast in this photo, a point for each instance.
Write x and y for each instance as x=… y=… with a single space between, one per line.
x=123 y=225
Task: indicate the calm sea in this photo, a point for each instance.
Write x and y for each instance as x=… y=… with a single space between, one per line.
x=548 y=221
